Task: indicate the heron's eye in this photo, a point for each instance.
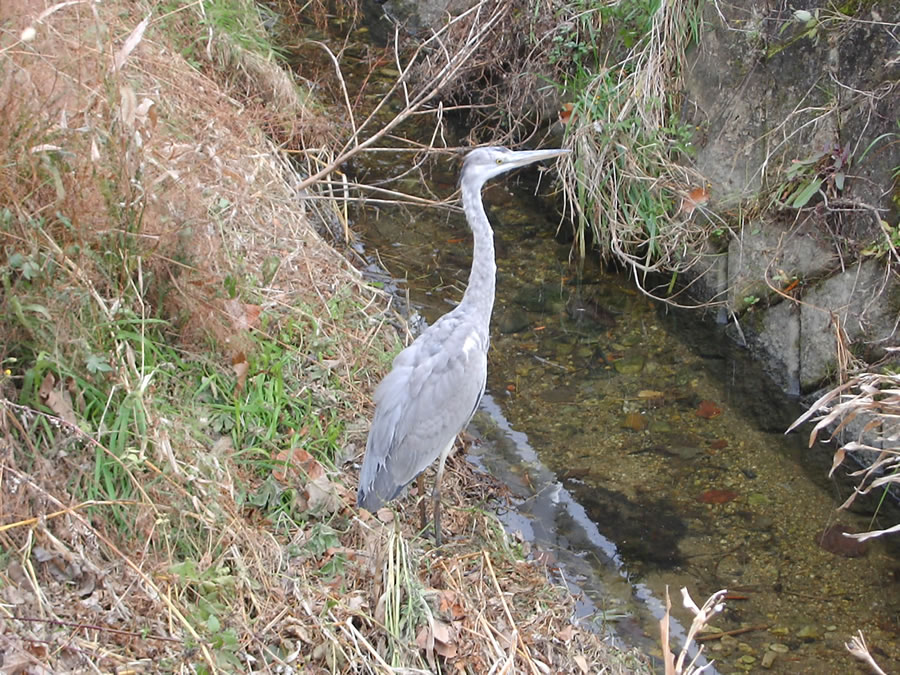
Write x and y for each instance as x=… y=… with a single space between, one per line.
x=499 y=161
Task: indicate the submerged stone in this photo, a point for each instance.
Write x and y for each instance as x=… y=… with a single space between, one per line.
x=630 y=364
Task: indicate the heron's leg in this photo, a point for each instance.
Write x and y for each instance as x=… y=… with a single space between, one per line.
x=423 y=508
x=436 y=493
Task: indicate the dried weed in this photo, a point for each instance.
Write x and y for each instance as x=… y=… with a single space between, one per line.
x=148 y=222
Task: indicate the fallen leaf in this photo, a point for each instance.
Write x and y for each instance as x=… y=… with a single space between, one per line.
x=566 y=633
x=565 y=115
x=581 y=662
x=719 y=444
x=297 y=463
x=450 y=605
x=58 y=401
x=441 y=631
x=635 y=421
x=127 y=106
x=243 y=316
x=425 y=640
x=696 y=197
x=834 y=541
x=322 y=497
x=447 y=650
x=241 y=367
x=717 y=496
x=708 y=410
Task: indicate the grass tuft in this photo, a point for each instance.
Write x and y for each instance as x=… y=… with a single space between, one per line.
x=628 y=193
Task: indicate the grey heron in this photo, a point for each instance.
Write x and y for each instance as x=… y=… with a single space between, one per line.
x=436 y=383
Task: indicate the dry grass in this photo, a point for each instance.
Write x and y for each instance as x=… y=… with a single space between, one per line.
x=865 y=408
x=156 y=249
x=627 y=189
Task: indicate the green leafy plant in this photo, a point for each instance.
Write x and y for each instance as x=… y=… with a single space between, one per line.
x=825 y=170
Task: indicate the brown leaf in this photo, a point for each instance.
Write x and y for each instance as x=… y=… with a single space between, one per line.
x=423 y=638
x=297 y=464
x=708 y=410
x=58 y=401
x=450 y=605
x=444 y=639
x=717 y=496
x=322 y=497
x=566 y=633
x=696 y=197
x=46 y=386
x=834 y=541
x=243 y=316
x=241 y=367
x=635 y=421
x=448 y=651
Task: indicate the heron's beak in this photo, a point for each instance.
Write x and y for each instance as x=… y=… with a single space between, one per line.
x=525 y=157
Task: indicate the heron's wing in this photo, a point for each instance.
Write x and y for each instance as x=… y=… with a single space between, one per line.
x=425 y=401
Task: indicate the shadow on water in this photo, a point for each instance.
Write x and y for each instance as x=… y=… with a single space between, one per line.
x=645 y=451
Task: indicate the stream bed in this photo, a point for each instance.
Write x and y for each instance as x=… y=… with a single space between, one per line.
x=645 y=451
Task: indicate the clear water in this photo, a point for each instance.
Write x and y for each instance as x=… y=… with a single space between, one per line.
x=646 y=452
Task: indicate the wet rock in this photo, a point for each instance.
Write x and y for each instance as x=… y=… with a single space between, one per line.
x=685 y=452
x=634 y=421
x=587 y=309
x=541 y=298
x=564 y=348
x=563 y=394
x=779 y=648
x=584 y=351
x=809 y=633
x=768 y=659
x=757 y=499
x=858 y=298
x=735 y=105
x=513 y=321
x=630 y=364
x=834 y=541
x=660 y=427
x=417 y=18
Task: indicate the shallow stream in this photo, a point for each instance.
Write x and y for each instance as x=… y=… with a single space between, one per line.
x=644 y=450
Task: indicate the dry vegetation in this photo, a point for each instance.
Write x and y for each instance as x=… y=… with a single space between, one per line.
x=862 y=415
x=186 y=366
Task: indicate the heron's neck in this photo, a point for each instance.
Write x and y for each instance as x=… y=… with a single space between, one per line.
x=479 y=295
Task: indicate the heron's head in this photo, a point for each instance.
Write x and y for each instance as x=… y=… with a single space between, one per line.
x=482 y=164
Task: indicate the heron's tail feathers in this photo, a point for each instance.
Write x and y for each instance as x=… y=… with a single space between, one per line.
x=380 y=490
